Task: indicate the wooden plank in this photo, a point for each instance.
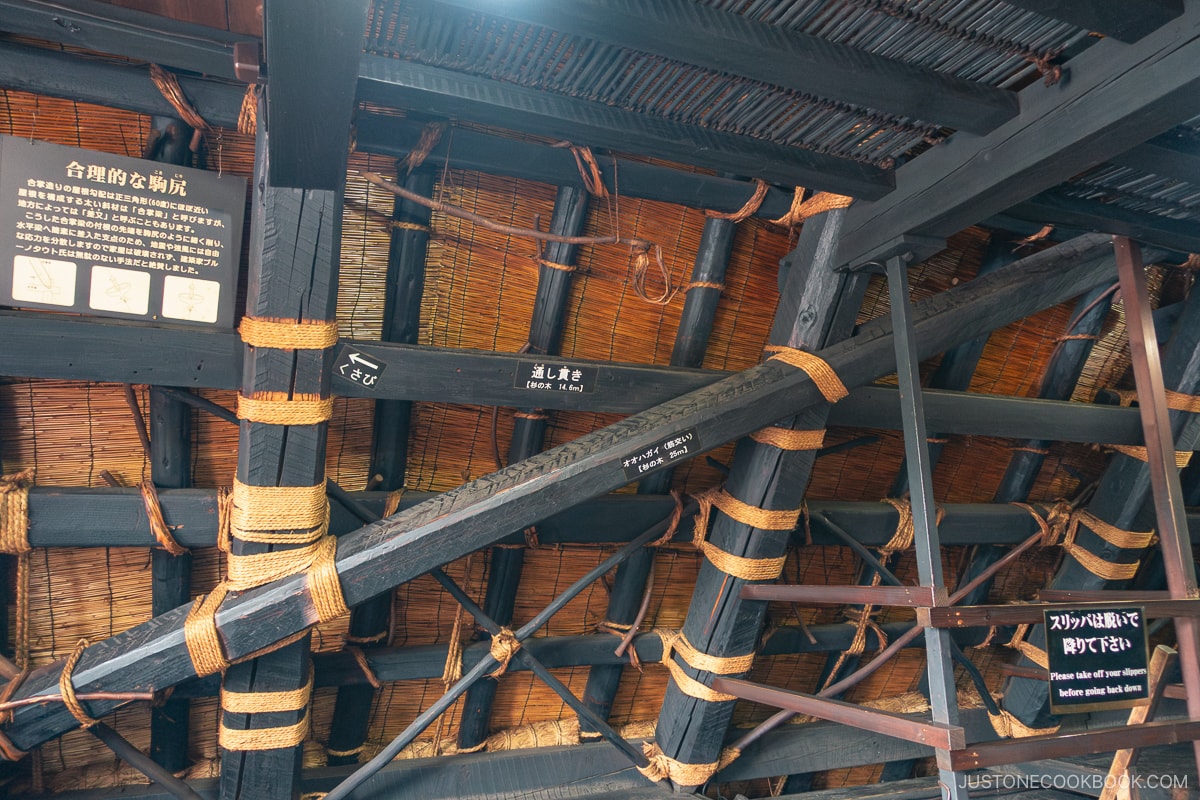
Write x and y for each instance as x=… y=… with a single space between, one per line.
x=495 y=155
x=430 y=90
x=1124 y=22
x=1128 y=596
x=735 y=44
x=1162 y=658
x=1117 y=97
x=935 y=734
x=108 y=28
x=1031 y=613
x=910 y=596
x=312 y=49
x=56 y=74
x=410 y=543
x=1061 y=745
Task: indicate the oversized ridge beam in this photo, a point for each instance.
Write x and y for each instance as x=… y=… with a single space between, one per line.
x=430 y=90
x=1116 y=96
x=107 y=28
x=75 y=348
x=587 y=769
x=1175 y=153
x=412 y=542
x=464 y=148
x=739 y=45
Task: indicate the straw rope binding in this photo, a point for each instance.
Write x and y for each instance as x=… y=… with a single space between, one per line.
x=267 y=702
x=788 y=439
x=280 y=408
x=827 y=381
x=66 y=687
x=663 y=767
x=158 y=525
x=278 y=738
x=753 y=204
x=288 y=334
x=748 y=569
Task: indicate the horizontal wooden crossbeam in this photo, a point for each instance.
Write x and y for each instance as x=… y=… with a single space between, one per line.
x=911 y=596
x=1062 y=745
x=934 y=734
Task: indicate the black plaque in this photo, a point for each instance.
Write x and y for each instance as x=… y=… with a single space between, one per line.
x=1098 y=659
x=661 y=454
x=359 y=367
x=113 y=236
x=555 y=376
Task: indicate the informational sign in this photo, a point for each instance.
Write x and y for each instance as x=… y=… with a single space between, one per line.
x=660 y=454
x=359 y=367
x=1098 y=659
x=113 y=236
x=550 y=376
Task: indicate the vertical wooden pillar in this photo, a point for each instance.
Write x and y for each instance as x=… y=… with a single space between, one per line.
x=529 y=430
x=389 y=455
x=817 y=308
x=293 y=276
x=691 y=340
x=171 y=575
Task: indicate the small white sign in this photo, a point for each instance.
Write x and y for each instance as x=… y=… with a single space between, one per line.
x=190 y=298
x=43 y=280
x=124 y=290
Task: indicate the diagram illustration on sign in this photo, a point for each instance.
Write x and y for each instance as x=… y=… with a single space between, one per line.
x=124 y=290
x=43 y=280
x=190 y=298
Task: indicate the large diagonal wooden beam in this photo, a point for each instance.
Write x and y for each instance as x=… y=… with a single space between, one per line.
x=1115 y=97
x=731 y=43
x=441 y=92
x=478 y=513
x=1125 y=22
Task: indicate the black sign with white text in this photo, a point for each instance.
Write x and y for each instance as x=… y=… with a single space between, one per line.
x=113 y=236
x=658 y=455
x=358 y=367
x=1098 y=659
x=555 y=376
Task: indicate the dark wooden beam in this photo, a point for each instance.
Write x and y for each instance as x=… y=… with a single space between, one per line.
x=821 y=595
x=589 y=768
x=731 y=43
x=506 y=564
x=691 y=342
x=1125 y=22
x=1055 y=207
x=478 y=513
x=1117 y=96
x=312 y=52
x=817 y=308
x=464 y=148
x=1174 y=154
x=1059 y=745
x=138 y=35
x=430 y=90
x=75 y=348
x=294 y=256
x=56 y=74
x=369 y=622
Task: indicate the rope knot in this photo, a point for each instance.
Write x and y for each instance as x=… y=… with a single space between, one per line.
x=505 y=645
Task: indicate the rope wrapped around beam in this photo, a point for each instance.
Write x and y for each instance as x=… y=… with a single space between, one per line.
x=827 y=381
x=663 y=767
x=748 y=569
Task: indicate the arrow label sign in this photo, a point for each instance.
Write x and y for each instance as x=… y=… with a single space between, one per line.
x=358 y=367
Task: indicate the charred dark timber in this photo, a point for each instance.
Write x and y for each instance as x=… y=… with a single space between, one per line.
x=294 y=245
x=482 y=511
x=817 y=308
x=691 y=340
x=407 y=250
x=555 y=271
